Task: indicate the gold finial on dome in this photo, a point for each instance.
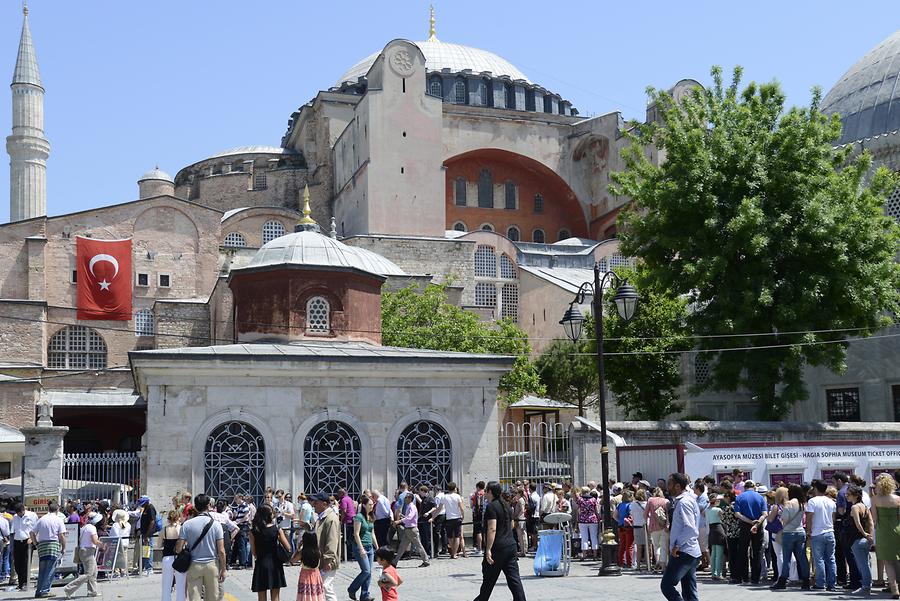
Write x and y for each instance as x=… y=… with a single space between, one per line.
x=432 y=35
x=307 y=212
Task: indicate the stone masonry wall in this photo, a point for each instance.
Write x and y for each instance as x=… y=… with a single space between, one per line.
x=182 y=324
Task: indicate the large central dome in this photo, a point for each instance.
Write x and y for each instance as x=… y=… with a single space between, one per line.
x=867 y=97
x=442 y=55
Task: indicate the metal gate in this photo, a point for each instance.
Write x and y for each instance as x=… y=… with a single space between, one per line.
x=92 y=476
x=535 y=451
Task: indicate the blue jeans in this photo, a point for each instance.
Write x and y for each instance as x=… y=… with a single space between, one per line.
x=46 y=570
x=794 y=544
x=681 y=569
x=822 y=547
x=860 y=549
x=364 y=577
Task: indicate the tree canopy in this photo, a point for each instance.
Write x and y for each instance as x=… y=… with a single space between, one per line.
x=425 y=320
x=767 y=227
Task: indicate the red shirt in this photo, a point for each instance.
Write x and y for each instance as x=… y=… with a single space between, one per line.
x=390 y=594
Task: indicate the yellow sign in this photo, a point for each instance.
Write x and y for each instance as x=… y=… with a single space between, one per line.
x=38 y=503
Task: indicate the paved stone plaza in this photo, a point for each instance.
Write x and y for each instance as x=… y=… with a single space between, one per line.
x=458 y=580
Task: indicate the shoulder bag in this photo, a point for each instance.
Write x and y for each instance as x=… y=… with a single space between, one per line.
x=776 y=525
x=182 y=561
x=282 y=554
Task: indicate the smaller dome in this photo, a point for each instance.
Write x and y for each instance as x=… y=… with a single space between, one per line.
x=253 y=150
x=310 y=248
x=156 y=174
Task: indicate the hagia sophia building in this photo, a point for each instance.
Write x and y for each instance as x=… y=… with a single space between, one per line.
x=427 y=161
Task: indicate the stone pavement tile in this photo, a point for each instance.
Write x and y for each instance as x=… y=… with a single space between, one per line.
x=459 y=580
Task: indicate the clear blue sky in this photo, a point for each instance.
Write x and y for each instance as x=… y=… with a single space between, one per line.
x=132 y=84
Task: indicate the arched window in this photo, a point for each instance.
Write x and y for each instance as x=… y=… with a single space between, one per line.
x=271 y=230
x=424 y=455
x=459 y=226
x=513 y=233
x=143 y=323
x=487 y=227
x=332 y=459
x=436 y=87
x=509 y=298
x=564 y=234
x=507 y=268
x=234 y=462
x=485 y=189
x=485 y=262
x=459 y=92
x=459 y=191
x=538 y=203
x=510 y=195
x=76 y=347
x=318 y=316
x=235 y=240
x=537 y=236
x=485 y=295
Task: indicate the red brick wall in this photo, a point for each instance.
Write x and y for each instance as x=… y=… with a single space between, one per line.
x=561 y=208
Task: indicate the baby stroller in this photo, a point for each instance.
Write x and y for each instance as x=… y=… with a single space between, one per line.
x=554 y=551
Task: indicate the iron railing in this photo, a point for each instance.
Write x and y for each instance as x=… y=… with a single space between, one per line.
x=535 y=451
x=92 y=476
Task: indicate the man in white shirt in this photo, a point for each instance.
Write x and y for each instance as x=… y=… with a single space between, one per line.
x=453 y=514
x=383 y=517
x=22 y=527
x=548 y=501
x=438 y=519
x=88 y=543
x=820 y=532
x=284 y=509
x=49 y=536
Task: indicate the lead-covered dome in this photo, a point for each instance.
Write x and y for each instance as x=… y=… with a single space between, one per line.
x=309 y=248
x=443 y=55
x=867 y=97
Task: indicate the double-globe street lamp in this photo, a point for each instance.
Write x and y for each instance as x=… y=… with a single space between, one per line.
x=626 y=303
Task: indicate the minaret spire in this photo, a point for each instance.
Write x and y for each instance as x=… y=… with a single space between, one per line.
x=27 y=147
x=432 y=35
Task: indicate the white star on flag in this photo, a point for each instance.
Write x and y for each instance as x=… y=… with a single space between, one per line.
x=104 y=285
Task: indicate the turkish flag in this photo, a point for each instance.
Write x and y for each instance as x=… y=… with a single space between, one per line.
x=104 y=278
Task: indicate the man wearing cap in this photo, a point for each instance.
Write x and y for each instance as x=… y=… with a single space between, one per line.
x=751 y=509
x=328 y=532
x=88 y=543
x=548 y=501
x=147 y=528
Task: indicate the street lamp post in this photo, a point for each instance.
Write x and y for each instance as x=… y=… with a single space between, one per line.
x=626 y=302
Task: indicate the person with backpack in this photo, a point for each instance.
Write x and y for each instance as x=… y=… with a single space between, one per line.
x=202 y=536
x=476 y=503
x=656 y=518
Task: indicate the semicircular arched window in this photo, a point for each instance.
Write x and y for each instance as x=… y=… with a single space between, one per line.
x=318 y=316
x=76 y=347
x=234 y=462
x=271 y=230
x=537 y=236
x=459 y=226
x=513 y=233
x=235 y=240
x=424 y=455
x=332 y=459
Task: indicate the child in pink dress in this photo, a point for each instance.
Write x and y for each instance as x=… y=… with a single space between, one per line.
x=309 y=585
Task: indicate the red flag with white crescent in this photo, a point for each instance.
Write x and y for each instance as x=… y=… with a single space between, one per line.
x=104 y=278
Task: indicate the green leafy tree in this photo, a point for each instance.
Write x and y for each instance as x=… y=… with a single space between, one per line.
x=644 y=382
x=569 y=373
x=768 y=228
x=426 y=320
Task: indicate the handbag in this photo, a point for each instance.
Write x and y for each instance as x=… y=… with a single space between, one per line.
x=776 y=525
x=283 y=555
x=182 y=561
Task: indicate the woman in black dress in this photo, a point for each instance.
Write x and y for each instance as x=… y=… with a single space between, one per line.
x=268 y=570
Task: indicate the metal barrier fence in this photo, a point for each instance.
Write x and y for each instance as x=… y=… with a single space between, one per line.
x=536 y=451
x=114 y=476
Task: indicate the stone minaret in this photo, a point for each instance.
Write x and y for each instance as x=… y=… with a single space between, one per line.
x=27 y=147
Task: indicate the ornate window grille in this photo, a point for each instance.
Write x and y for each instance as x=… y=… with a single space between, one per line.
x=76 y=347
x=460 y=191
x=485 y=189
x=843 y=404
x=271 y=230
x=424 y=455
x=143 y=323
x=318 y=316
x=701 y=370
x=235 y=240
x=513 y=233
x=485 y=262
x=509 y=296
x=892 y=205
x=234 y=462
x=485 y=295
x=332 y=459
x=537 y=236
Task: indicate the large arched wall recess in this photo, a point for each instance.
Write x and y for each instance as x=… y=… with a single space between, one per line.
x=559 y=210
